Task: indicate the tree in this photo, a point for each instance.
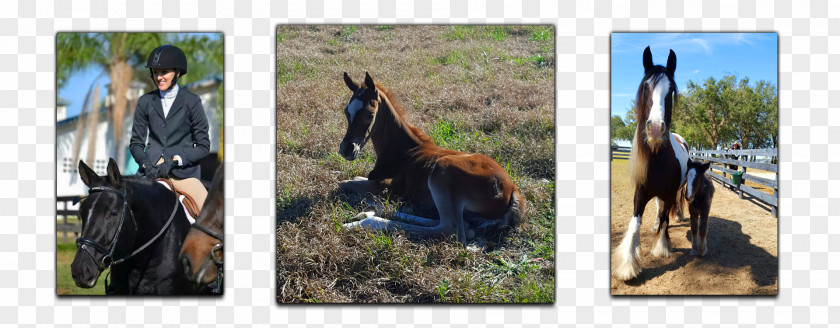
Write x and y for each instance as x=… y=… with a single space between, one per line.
x=718 y=112
x=115 y=53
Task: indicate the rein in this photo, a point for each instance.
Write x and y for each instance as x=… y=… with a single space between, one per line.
x=107 y=260
x=218 y=247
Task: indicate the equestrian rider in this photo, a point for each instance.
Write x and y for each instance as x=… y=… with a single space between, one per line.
x=176 y=125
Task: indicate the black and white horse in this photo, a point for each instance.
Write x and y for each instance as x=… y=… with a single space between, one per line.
x=657 y=164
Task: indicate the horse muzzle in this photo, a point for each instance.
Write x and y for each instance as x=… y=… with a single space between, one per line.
x=655 y=133
x=350 y=151
x=85 y=276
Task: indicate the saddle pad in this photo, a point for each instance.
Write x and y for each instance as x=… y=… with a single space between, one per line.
x=181 y=199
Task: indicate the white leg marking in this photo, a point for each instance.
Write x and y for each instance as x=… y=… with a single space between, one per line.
x=661 y=247
x=659 y=205
x=415 y=220
x=625 y=258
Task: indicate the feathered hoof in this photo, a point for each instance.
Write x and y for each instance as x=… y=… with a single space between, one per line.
x=662 y=249
x=625 y=267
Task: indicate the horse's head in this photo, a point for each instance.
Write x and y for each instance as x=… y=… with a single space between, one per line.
x=103 y=213
x=694 y=176
x=361 y=114
x=201 y=253
x=654 y=100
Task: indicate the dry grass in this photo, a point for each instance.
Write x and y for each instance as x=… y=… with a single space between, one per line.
x=742 y=256
x=484 y=89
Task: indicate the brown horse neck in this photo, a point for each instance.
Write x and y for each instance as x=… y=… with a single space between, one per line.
x=391 y=134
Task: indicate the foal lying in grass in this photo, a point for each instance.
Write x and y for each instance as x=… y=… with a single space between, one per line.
x=468 y=190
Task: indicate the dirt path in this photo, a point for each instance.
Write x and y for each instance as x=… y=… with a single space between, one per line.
x=742 y=257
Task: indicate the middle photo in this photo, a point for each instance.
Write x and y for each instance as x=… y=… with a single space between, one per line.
x=415 y=164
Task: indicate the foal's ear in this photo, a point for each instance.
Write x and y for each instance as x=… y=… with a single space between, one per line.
x=705 y=166
x=86 y=173
x=672 y=62
x=114 y=174
x=369 y=82
x=349 y=82
x=647 y=59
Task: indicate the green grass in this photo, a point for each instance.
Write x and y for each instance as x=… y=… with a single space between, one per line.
x=459 y=32
x=348 y=31
x=64 y=279
x=542 y=33
x=498 y=33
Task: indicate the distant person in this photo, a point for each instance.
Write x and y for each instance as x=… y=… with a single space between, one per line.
x=176 y=125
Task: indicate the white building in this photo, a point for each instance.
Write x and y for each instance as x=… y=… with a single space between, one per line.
x=68 y=182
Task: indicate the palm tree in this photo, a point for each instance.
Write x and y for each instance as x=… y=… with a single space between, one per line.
x=121 y=56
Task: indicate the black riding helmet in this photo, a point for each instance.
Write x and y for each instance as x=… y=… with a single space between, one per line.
x=167 y=56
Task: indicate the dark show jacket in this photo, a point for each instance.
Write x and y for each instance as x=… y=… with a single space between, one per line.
x=183 y=132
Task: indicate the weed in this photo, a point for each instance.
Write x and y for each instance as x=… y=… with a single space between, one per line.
x=348 y=30
x=542 y=33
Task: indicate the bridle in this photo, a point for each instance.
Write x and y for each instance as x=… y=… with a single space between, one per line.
x=108 y=260
x=213 y=257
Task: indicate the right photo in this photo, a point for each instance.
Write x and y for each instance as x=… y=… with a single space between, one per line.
x=694 y=186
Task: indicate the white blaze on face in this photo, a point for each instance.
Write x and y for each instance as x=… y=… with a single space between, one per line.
x=354 y=108
x=657 y=108
x=690 y=187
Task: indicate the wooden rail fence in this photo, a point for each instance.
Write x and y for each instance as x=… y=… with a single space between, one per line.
x=617 y=152
x=63 y=212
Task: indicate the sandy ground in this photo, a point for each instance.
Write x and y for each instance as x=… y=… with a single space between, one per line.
x=742 y=242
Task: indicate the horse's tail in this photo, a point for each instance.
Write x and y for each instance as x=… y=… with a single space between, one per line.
x=515 y=212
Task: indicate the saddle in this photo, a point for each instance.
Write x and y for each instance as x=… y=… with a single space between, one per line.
x=187 y=202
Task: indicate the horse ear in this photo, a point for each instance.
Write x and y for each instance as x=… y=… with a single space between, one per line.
x=705 y=166
x=647 y=59
x=86 y=173
x=672 y=62
x=114 y=174
x=369 y=82
x=349 y=82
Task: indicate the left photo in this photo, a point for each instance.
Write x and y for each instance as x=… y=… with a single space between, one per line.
x=139 y=153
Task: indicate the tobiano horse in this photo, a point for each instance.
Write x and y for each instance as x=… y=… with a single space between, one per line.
x=699 y=193
x=657 y=164
x=469 y=191
x=201 y=254
x=134 y=227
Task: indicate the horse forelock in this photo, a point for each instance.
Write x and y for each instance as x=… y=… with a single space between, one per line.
x=641 y=151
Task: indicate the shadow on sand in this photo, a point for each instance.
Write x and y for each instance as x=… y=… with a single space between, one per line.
x=729 y=249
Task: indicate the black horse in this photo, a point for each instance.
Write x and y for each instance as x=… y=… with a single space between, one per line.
x=135 y=227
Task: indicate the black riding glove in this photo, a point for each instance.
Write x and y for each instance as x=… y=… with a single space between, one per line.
x=150 y=170
x=164 y=168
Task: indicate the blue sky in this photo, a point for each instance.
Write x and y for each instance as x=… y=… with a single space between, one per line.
x=77 y=85
x=699 y=56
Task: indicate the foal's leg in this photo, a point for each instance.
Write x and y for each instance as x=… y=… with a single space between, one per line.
x=626 y=263
x=361 y=186
x=449 y=204
x=695 y=241
x=662 y=243
x=704 y=230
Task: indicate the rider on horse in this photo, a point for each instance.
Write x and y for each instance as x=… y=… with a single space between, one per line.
x=176 y=125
